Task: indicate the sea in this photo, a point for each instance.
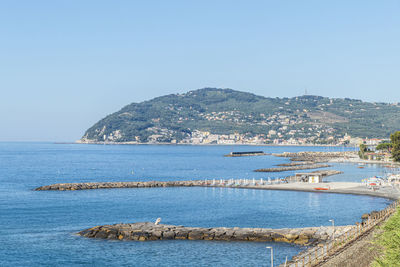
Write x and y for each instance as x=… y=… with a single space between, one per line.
x=38 y=228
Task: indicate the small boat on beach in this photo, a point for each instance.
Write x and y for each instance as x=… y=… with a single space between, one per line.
x=321 y=188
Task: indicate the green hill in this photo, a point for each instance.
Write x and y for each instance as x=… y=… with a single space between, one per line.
x=180 y=117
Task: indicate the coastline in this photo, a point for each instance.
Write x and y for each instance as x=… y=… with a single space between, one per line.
x=317 y=238
x=170 y=144
x=348 y=188
x=364 y=161
x=334 y=187
x=388 y=192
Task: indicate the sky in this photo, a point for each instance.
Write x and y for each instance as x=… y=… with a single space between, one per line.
x=64 y=65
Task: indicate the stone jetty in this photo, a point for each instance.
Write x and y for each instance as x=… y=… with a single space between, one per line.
x=295 y=163
x=107 y=185
x=314 y=156
x=294 y=168
x=147 y=231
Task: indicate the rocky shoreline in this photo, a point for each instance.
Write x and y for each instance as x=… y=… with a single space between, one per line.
x=147 y=231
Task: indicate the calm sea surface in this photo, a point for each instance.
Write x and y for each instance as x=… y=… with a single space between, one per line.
x=37 y=228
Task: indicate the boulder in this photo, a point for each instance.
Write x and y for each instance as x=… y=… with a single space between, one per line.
x=196 y=235
x=168 y=235
x=181 y=235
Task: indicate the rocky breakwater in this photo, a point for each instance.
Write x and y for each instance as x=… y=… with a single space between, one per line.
x=147 y=231
x=316 y=156
x=106 y=185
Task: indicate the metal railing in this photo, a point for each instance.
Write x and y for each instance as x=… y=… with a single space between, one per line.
x=322 y=251
x=243 y=182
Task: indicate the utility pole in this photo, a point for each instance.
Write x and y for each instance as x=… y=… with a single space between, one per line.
x=333 y=225
x=272 y=256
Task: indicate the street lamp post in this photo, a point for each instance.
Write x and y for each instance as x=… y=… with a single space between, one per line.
x=333 y=225
x=272 y=256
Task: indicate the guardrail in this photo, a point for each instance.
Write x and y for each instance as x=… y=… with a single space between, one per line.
x=322 y=251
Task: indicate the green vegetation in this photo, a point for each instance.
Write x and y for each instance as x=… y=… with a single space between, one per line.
x=395 y=138
x=361 y=152
x=384 y=146
x=389 y=240
x=225 y=111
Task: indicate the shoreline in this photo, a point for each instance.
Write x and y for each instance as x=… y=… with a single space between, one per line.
x=358 y=190
x=349 y=156
x=114 y=232
x=169 y=144
x=300 y=236
x=334 y=187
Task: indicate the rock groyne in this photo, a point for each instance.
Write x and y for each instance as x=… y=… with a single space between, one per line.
x=147 y=231
x=316 y=157
x=298 y=163
x=107 y=185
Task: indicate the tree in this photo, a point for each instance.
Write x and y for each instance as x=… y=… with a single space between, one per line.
x=395 y=138
x=363 y=149
x=384 y=146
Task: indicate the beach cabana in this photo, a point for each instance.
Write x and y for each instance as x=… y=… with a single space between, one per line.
x=311 y=177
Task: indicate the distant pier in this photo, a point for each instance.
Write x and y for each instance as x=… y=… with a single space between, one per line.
x=246 y=153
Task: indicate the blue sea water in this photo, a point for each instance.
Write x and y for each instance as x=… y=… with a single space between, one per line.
x=37 y=228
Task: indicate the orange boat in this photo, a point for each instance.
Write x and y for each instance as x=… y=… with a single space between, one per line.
x=321 y=188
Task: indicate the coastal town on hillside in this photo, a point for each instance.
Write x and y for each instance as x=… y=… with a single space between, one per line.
x=273 y=137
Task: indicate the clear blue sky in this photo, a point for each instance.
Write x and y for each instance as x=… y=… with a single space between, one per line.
x=66 y=64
